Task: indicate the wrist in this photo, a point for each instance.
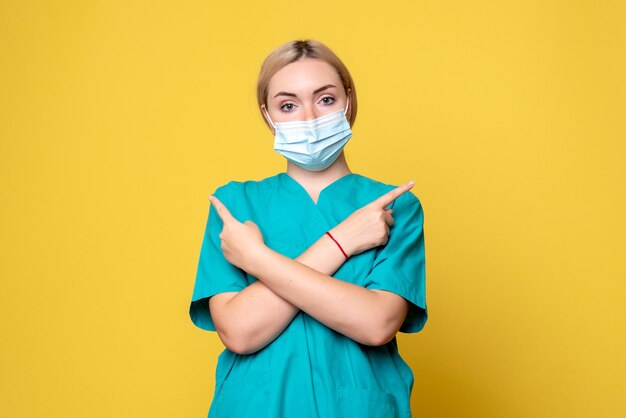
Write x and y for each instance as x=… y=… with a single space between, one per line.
x=256 y=259
x=340 y=242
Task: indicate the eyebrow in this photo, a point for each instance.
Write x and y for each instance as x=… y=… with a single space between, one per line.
x=284 y=93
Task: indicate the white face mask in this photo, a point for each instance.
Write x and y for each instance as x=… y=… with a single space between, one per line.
x=315 y=144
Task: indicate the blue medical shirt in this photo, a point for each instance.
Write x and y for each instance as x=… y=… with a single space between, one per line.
x=310 y=370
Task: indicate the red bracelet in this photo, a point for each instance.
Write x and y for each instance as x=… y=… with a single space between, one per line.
x=331 y=237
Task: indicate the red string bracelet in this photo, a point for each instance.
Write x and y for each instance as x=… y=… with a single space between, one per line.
x=331 y=237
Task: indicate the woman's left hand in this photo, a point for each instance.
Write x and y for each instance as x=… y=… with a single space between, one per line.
x=241 y=242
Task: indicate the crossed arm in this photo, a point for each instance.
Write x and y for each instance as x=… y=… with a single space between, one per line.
x=248 y=320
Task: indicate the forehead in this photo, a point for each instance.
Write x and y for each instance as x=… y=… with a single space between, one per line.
x=303 y=76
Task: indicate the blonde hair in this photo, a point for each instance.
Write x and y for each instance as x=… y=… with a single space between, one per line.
x=294 y=51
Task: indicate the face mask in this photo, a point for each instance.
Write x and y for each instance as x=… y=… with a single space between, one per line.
x=315 y=144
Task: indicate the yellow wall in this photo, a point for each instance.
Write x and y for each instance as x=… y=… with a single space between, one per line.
x=118 y=119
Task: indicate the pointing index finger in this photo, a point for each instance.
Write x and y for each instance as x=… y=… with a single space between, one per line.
x=222 y=210
x=392 y=195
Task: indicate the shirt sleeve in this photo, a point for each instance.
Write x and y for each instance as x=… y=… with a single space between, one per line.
x=215 y=274
x=400 y=266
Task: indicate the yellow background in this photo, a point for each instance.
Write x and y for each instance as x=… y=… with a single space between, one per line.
x=119 y=118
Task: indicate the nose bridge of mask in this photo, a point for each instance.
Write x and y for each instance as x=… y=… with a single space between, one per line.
x=311 y=122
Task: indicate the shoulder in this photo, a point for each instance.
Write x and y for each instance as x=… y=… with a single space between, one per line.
x=246 y=189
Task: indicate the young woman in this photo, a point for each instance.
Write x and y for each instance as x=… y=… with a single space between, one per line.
x=307 y=275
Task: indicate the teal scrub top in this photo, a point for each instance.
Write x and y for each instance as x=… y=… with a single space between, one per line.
x=310 y=370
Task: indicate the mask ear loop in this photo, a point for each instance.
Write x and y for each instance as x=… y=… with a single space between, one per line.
x=268 y=118
x=347 y=104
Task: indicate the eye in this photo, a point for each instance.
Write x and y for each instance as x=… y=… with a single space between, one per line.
x=328 y=100
x=287 y=107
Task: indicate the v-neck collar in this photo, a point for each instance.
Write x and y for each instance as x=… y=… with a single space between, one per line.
x=295 y=186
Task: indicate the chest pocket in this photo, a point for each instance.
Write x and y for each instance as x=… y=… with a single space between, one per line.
x=364 y=403
x=246 y=397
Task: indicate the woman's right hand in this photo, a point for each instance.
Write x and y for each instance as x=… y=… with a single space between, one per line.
x=368 y=227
